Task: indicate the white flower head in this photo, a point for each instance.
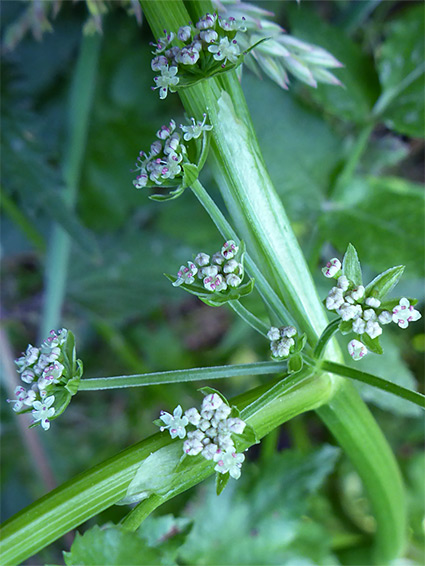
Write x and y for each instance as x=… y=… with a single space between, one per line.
x=348 y=312
x=212 y=402
x=372 y=302
x=385 y=317
x=332 y=268
x=357 y=350
x=273 y=333
x=175 y=423
x=288 y=331
x=335 y=298
x=229 y=462
x=281 y=348
x=225 y=51
x=229 y=249
x=373 y=329
x=43 y=411
x=359 y=326
x=404 y=313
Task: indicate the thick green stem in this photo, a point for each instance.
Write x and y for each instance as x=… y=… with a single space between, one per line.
x=181 y=375
x=84 y=496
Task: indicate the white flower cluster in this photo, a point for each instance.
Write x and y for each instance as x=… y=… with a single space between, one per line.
x=282 y=340
x=211 y=35
x=217 y=272
x=365 y=312
x=40 y=368
x=281 y=53
x=163 y=163
x=212 y=435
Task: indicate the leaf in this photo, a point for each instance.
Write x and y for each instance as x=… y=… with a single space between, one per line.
x=361 y=86
x=169 y=196
x=372 y=344
x=246 y=439
x=351 y=266
x=401 y=65
x=113 y=546
x=191 y=173
x=221 y=482
x=384 y=282
x=345 y=327
x=383 y=217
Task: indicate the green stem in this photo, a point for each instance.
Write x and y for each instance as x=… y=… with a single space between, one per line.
x=142 y=510
x=19 y=218
x=325 y=337
x=370 y=379
x=249 y=318
x=80 y=104
x=84 y=496
x=181 y=375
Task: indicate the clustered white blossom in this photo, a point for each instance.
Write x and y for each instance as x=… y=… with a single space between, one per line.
x=40 y=368
x=163 y=164
x=365 y=312
x=210 y=434
x=281 y=53
x=183 y=55
x=217 y=272
x=282 y=341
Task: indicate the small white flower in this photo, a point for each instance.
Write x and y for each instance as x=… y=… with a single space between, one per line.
x=235 y=425
x=343 y=282
x=211 y=432
x=53 y=372
x=404 y=313
x=220 y=414
x=231 y=266
x=226 y=443
x=357 y=350
x=28 y=359
x=209 y=35
x=210 y=451
x=172 y=144
x=158 y=62
x=229 y=249
x=216 y=283
x=27 y=375
x=188 y=56
x=204 y=425
x=281 y=348
x=192 y=416
x=288 y=332
x=207 y=21
x=332 y=268
x=385 y=317
x=167 y=79
x=218 y=259
x=273 y=333
x=359 y=326
x=165 y=132
x=369 y=314
x=163 y=43
x=233 y=280
x=231 y=24
x=225 y=50
x=184 y=33
x=43 y=411
x=372 y=302
x=198 y=434
x=229 y=462
x=175 y=423
x=192 y=446
x=207 y=414
x=358 y=292
x=212 y=402
x=348 y=312
x=335 y=298
x=202 y=259
x=209 y=271
x=186 y=274
x=373 y=329
x=141 y=180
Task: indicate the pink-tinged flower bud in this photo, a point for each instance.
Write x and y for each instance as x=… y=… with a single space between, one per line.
x=332 y=268
x=202 y=259
x=372 y=302
x=357 y=350
x=359 y=326
x=373 y=329
x=184 y=33
x=385 y=317
x=334 y=299
x=229 y=250
x=343 y=283
x=273 y=333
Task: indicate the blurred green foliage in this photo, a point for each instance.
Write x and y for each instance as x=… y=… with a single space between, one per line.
x=128 y=318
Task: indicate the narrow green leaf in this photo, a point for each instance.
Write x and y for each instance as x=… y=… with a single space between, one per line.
x=373 y=345
x=345 y=326
x=384 y=282
x=351 y=266
x=221 y=482
x=190 y=175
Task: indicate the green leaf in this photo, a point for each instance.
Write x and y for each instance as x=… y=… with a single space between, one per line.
x=247 y=438
x=384 y=282
x=295 y=363
x=221 y=482
x=113 y=546
x=383 y=216
x=361 y=86
x=301 y=341
x=372 y=344
x=190 y=175
x=170 y=196
x=351 y=266
x=62 y=400
x=345 y=327
x=401 y=67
